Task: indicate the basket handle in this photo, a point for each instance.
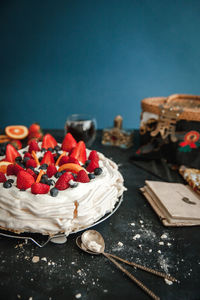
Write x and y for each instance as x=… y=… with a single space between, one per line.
x=173 y=97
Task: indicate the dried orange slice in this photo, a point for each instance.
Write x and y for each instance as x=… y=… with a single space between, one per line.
x=4 y=138
x=18 y=132
x=3 y=166
x=74 y=168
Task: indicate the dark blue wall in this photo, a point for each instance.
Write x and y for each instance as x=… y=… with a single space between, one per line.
x=98 y=57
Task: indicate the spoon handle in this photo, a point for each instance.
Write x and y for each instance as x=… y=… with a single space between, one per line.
x=145 y=268
x=133 y=278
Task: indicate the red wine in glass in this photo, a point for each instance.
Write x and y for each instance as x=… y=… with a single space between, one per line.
x=82 y=128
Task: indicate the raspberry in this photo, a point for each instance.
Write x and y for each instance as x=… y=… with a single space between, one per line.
x=24 y=180
x=63 y=160
x=51 y=170
x=82 y=177
x=31 y=172
x=10 y=170
x=31 y=163
x=92 y=166
x=33 y=146
x=63 y=181
x=40 y=188
x=2 y=177
x=73 y=160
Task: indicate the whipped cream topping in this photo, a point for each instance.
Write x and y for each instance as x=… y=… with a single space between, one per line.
x=72 y=209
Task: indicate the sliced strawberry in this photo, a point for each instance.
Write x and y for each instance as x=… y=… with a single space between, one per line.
x=63 y=182
x=33 y=145
x=17 y=168
x=31 y=163
x=35 y=127
x=47 y=159
x=68 y=143
x=48 y=141
x=39 y=188
x=11 y=153
x=82 y=177
x=16 y=143
x=93 y=155
x=51 y=170
x=92 y=166
x=2 y=177
x=10 y=170
x=31 y=172
x=79 y=152
x=24 y=180
x=63 y=160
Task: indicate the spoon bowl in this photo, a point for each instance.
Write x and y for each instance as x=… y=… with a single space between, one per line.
x=93 y=241
x=82 y=247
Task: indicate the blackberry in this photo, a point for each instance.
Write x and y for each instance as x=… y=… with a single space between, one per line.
x=18 y=159
x=73 y=184
x=50 y=149
x=7 y=184
x=10 y=180
x=57 y=148
x=43 y=167
x=91 y=176
x=58 y=174
x=50 y=182
x=43 y=150
x=98 y=171
x=26 y=159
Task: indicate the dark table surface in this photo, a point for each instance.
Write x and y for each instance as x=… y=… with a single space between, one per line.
x=64 y=272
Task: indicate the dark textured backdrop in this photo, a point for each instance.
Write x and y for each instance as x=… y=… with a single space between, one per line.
x=101 y=57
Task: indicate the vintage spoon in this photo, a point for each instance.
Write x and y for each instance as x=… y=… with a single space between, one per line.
x=93 y=243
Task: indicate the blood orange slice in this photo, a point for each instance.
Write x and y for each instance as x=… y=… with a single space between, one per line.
x=3 y=166
x=18 y=132
x=74 y=168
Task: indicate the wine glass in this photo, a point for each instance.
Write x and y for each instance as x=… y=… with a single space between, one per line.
x=82 y=127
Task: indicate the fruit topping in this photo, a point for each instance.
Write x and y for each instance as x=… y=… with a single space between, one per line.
x=2 y=177
x=43 y=167
x=98 y=171
x=68 y=143
x=82 y=176
x=31 y=172
x=18 y=132
x=10 y=169
x=63 y=181
x=91 y=176
x=40 y=188
x=79 y=152
x=93 y=155
x=27 y=154
x=11 y=153
x=63 y=160
x=35 y=132
x=54 y=192
x=7 y=184
x=59 y=158
x=35 y=157
x=31 y=163
x=4 y=165
x=17 y=144
x=73 y=183
x=58 y=174
x=51 y=170
x=24 y=180
x=48 y=141
x=47 y=158
x=33 y=145
x=74 y=168
x=16 y=169
x=40 y=175
x=73 y=160
x=92 y=166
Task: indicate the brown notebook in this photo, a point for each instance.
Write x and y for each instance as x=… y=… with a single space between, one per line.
x=176 y=204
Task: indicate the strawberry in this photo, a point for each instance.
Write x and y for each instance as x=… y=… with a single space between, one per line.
x=2 y=177
x=39 y=188
x=47 y=158
x=10 y=170
x=24 y=180
x=63 y=160
x=79 y=152
x=16 y=143
x=73 y=160
x=16 y=169
x=48 y=141
x=35 y=127
x=31 y=163
x=11 y=153
x=92 y=166
x=33 y=145
x=93 y=155
x=82 y=177
x=51 y=170
x=31 y=172
x=68 y=143
x=63 y=181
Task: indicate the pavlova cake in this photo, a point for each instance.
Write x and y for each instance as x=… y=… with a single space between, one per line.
x=52 y=188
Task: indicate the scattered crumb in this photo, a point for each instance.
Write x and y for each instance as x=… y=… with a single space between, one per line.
x=105 y=291
x=150 y=250
x=163 y=236
x=169 y=282
x=159 y=251
x=169 y=244
x=30 y=298
x=132 y=224
x=72 y=262
x=137 y=236
x=35 y=259
x=161 y=243
x=120 y=244
x=141 y=222
x=19 y=296
x=44 y=259
x=78 y=296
